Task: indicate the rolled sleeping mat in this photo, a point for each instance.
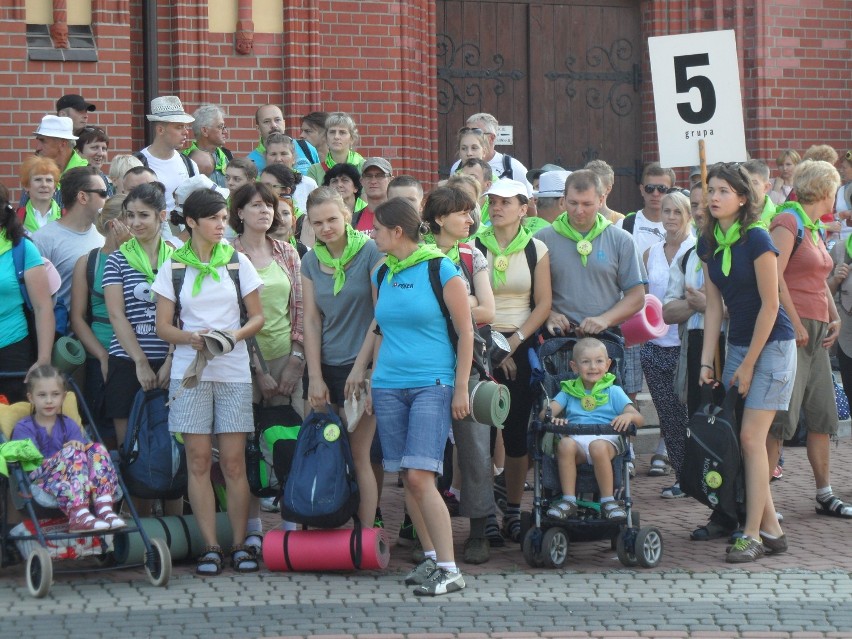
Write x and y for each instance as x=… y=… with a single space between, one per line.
x=326 y=550
x=181 y=534
x=489 y=402
x=68 y=354
x=645 y=325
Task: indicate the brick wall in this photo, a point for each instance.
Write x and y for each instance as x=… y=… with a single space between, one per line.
x=795 y=68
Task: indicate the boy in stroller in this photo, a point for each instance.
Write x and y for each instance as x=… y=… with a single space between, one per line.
x=591 y=398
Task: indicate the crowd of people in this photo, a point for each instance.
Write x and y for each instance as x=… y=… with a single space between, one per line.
x=312 y=266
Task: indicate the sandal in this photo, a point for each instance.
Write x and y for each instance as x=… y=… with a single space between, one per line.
x=210 y=562
x=562 y=509
x=254 y=541
x=834 y=507
x=613 y=511
x=711 y=530
x=511 y=528
x=243 y=559
x=659 y=466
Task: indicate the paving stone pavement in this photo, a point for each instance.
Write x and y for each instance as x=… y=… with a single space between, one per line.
x=693 y=593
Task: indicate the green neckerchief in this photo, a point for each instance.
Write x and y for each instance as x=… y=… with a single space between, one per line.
x=501 y=256
x=769 y=210
x=453 y=253
x=575 y=388
x=360 y=205
x=355 y=241
x=483 y=213
x=353 y=157
x=584 y=242
x=726 y=240
x=137 y=258
x=261 y=147
x=814 y=226
x=30 y=222
x=5 y=242
x=218 y=154
x=421 y=254
x=220 y=255
x=294 y=242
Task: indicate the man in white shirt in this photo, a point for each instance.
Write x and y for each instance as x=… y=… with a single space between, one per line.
x=647 y=226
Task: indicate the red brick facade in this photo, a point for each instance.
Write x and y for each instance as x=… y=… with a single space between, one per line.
x=376 y=59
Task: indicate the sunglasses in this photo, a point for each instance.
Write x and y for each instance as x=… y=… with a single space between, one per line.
x=659 y=188
x=102 y=192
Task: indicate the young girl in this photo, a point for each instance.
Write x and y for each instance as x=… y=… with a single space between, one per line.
x=77 y=472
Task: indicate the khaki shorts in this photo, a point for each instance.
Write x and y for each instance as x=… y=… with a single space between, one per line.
x=813 y=391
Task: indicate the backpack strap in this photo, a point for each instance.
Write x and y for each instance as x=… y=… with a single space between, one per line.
x=466 y=264
x=629 y=222
x=142 y=158
x=507 y=167
x=685 y=259
x=18 y=255
x=438 y=291
x=186 y=162
x=306 y=150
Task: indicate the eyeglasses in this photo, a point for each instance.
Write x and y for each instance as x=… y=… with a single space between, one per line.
x=659 y=188
x=102 y=192
x=468 y=129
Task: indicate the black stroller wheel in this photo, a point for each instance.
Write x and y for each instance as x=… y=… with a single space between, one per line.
x=625 y=549
x=554 y=547
x=531 y=539
x=39 y=572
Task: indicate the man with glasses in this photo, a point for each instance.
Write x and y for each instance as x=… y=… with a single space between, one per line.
x=209 y=130
x=376 y=174
x=502 y=164
x=74 y=234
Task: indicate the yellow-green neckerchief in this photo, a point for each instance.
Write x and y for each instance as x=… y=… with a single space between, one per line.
x=138 y=259
x=220 y=255
x=355 y=241
x=726 y=240
x=352 y=157
x=501 y=255
x=575 y=388
x=584 y=242
x=848 y=246
x=814 y=226
x=421 y=254
x=30 y=222
x=453 y=253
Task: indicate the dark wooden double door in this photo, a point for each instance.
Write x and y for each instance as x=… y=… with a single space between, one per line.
x=566 y=75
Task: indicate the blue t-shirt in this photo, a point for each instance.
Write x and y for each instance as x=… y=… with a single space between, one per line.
x=576 y=414
x=416 y=349
x=13 y=322
x=739 y=288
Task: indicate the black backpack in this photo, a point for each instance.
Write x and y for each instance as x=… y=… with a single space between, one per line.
x=712 y=470
x=321 y=490
x=153 y=463
x=270 y=449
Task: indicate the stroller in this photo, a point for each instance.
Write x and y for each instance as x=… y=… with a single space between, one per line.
x=33 y=543
x=546 y=540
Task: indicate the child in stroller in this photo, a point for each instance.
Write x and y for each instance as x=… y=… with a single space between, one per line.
x=79 y=473
x=591 y=398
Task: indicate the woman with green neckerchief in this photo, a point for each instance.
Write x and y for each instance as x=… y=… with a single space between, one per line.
x=420 y=380
x=341 y=135
x=523 y=296
x=448 y=212
x=741 y=269
x=215 y=401
x=39 y=177
x=138 y=358
x=338 y=305
x=346 y=180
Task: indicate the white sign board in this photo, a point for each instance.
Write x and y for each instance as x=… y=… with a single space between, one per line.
x=696 y=82
x=505 y=135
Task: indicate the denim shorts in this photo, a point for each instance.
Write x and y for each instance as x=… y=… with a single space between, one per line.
x=413 y=425
x=774 y=374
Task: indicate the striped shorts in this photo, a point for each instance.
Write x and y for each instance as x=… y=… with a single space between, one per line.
x=210 y=408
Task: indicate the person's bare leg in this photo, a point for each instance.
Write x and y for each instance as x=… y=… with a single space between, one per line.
x=435 y=519
x=759 y=506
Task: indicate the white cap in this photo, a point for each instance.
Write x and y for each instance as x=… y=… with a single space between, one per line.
x=197 y=183
x=552 y=184
x=168 y=108
x=56 y=126
x=505 y=187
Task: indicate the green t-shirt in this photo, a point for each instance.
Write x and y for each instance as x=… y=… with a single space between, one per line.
x=100 y=316
x=274 y=338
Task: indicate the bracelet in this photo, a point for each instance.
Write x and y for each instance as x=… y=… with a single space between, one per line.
x=520 y=335
x=708 y=366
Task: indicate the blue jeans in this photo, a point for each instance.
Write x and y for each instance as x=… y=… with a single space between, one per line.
x=413 y=425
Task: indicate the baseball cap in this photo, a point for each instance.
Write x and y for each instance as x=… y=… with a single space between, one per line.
x=379 y=163
x=74 y=101
x=552 y=184
x=505 y=187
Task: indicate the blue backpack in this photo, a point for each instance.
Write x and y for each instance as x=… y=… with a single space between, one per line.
x=153 y=463
x=321 y=490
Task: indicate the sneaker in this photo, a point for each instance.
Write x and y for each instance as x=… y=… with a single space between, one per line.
x=672 y=492
x=378 y=522
x=492 y=532
x=268 y=505
x=777 y=474
x=407 y=533
x=421 y=572
x=477 y=550
x=440 y=582
x=452 y=503
x=775 y=546
x=744 y=550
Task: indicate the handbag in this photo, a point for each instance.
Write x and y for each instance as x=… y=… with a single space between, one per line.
x=841 y=400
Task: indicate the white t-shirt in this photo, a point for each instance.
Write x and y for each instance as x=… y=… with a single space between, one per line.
x=171 y=173
x=64 y=246
x=303 y=190
x=645 y=232
x=519 y=171
x=215 y=307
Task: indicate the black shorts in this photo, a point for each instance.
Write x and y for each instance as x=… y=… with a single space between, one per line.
x=335 y=378
x=122 y=385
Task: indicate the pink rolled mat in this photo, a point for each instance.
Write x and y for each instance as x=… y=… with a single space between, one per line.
x=646 y=325
x=325 y=550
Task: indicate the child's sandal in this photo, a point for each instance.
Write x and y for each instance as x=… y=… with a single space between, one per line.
x=210 y=562
x=244 y=559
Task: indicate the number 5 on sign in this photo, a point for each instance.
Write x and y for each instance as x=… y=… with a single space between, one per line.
x=697 y=96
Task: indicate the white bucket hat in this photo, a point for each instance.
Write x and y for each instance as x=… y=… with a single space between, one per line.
x=56 y=126
x=168 y=108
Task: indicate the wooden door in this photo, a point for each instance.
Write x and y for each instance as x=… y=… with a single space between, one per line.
x=565 y=75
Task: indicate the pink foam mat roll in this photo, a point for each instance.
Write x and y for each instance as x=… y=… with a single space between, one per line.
x=645 y=325
x=326 y=550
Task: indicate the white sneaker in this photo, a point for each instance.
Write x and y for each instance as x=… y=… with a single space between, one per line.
x=440 y=582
